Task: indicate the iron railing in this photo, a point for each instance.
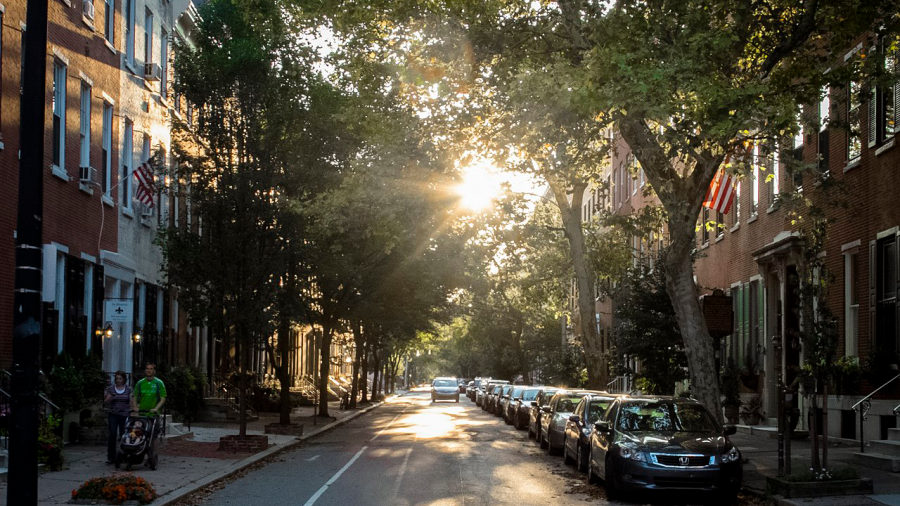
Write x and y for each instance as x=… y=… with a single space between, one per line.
x=5 y=403
x=309 y=389
x=862 y=407
x=231 y=395
x=619 y=385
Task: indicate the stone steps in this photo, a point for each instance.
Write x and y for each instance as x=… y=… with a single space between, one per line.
x=893 y=434
x=886 y=447
x=880 y=461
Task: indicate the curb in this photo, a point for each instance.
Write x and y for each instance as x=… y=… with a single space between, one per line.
x=180 y=493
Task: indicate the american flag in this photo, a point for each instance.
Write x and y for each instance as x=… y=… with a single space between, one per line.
x=721 y=192
x=144 y=191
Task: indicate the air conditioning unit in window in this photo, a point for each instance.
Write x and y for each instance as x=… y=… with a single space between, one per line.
x=86 y=174
x=88 y=9
x=146 y=210
x=152 y=71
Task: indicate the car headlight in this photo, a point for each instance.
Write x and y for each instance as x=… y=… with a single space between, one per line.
x=630 y=451
x=732 y=455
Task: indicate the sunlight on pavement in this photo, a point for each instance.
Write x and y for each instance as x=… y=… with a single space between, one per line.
x=439 y=421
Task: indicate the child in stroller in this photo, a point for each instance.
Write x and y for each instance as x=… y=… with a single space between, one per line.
x=139 y=441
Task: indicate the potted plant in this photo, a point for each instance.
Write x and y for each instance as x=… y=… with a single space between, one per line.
x=752 y=411
x=731 y=391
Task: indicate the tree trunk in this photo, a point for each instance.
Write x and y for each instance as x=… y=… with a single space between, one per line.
x=813 y=432
x=244 y=358
x=825 y=426
x=698 y=345
x=325 y=369
x=365 y=370
x=283 y=370
x=376 y=369
x=354 y=387
x=597 y=368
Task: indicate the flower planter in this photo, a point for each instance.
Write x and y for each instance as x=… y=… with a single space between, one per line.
x=823 y=488
x=243 y=444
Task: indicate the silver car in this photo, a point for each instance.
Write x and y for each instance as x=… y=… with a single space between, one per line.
x=445 y=389
x=554 y=417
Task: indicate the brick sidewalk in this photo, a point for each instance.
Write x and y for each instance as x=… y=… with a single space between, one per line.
x=761 y=450
x=184 y=465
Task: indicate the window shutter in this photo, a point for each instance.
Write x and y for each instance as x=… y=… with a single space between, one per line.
x=761 y=309
x=896 y=118
x=873 y=269
x=897 y=300
x=746 y=309
x=739 y=329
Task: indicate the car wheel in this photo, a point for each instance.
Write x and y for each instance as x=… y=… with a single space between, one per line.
x=610 y=482
x=457 y=398
x=566 y=459
x=552 y=450
x=591 y=475
x=542 y=440
x=580 y=462
x=530 y=432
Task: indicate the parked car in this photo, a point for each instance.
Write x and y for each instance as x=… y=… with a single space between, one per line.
x=521 y=408
x=664 y=443
x=494 y=393
x=481 y=391
x=470 y=387
x=535 y=412
x=501 y=400
x=511 y=398
x=577 y=440
x=463 y=382
x=488 y=390
x=444 y=388
x=553 y=421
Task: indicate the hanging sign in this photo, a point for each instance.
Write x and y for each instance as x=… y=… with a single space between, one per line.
x=119 y=310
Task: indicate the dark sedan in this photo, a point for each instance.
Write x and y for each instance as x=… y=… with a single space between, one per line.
x=501 y=400
x=554 y=417
x=534 y=416
x=521 y=408
x=511 y=400
x=664 y=443
x=577 y=441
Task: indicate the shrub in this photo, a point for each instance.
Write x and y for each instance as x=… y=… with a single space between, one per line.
x=66 y=384
x=94 y=380
x=184 y=386
x=50 y=443
x=117 y=489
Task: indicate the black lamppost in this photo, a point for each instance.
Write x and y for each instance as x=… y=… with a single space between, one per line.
x=27 y=310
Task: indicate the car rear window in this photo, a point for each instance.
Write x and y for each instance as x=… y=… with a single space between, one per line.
x=567 y=404
x=596 y=410
x=529 y=395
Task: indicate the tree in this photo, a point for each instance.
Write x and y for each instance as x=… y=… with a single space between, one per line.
x=647 y=330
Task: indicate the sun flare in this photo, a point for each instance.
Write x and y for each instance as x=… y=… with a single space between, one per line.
x=479 y=187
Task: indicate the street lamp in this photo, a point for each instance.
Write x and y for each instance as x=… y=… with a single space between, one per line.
x=137 y=335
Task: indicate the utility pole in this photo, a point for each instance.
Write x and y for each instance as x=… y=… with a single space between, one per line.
x=27 y=319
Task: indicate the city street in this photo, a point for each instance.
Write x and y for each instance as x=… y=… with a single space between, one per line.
x=413 y=452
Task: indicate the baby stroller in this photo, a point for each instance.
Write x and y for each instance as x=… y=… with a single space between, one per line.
x=138 y=442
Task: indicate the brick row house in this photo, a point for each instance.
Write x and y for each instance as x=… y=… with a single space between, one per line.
x=753 y=252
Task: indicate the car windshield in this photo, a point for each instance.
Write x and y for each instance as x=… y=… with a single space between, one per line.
x=661 y=416
x=516 y=392
x=567 y=404
x=444 y=383
x=529 y=395
x=596 y=410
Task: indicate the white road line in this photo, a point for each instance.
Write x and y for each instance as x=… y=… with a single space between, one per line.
x=312 y=500
x=400 y=476
x=313 y=458
x=388 y=425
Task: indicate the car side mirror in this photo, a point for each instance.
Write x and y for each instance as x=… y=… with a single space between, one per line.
x=534 y=404
x=729 y=430
x=574 y=418
x=603 y=427
x=517 y=399
x=546 y=409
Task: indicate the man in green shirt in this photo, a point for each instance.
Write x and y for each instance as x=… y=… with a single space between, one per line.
x=149 y=393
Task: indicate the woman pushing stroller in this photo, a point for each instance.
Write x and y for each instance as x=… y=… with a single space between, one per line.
x=139 y=439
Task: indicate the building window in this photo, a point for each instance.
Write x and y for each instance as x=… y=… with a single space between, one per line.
x=164 y=64
x=886 y=296
x=773 y=181
x=754 y=195
x=704 y=229
x=824 y=117
x=854 y=142
x=797 y=156
x=737 y=204
x=148 y=37
x=109 y=24
x=851 y=305
x=85 y=125
x=127 y=163
x=720 y=224
x=129 y=32
x=106 y=150
x=890 y=95
x=59 y=115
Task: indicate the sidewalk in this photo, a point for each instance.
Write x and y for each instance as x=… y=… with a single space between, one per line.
x=761 y=451
x=184 y=465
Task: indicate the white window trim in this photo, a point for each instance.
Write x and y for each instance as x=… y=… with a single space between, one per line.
x=60 y=170
x=127 y=161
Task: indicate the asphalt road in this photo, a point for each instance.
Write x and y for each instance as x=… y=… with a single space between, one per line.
x=410 y=452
